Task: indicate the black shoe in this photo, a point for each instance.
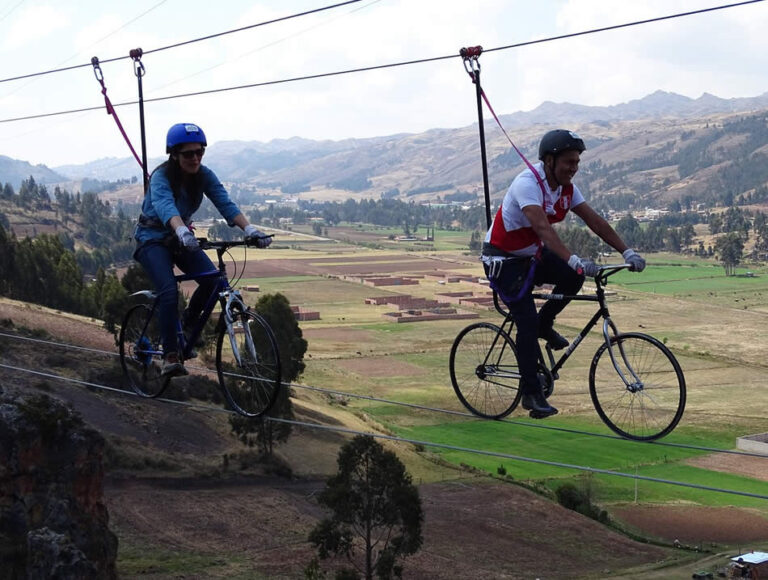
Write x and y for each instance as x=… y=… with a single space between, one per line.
x=537 y=405
x=554 y=339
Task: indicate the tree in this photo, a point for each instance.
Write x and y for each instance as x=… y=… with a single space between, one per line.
x=580 y=242
x=475 y=241
x=7 y=259
x=136 y=279
x=114 y=302
x=69 y=283
x=276 y=309
x=630 y=231
x=374 y=506
x=730 y=249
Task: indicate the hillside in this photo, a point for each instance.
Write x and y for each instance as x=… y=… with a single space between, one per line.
x=14 y=171
x=654 y=151
x=183 y=492
x=172 y=498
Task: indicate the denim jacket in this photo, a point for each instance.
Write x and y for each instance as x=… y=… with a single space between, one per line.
x=160 y=205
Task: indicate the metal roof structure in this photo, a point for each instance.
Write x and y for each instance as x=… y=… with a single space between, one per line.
x=752 y=558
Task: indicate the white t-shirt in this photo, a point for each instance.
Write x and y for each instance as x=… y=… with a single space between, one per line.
x=525 y=191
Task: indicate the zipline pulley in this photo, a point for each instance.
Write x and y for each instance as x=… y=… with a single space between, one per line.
x=471 y=63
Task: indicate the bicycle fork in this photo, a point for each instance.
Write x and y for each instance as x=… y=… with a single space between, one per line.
x=229 y=318
x=635 y=385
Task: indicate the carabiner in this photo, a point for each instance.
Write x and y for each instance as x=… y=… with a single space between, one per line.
x=138 y=66
x=471 y=62
x=97 y=69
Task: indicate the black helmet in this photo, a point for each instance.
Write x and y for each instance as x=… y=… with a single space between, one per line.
x=560 y=140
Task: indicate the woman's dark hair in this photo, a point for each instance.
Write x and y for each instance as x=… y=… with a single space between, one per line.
x=177 y=178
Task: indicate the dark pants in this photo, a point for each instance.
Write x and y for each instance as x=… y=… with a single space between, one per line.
x=158 y=260
x=551 y=269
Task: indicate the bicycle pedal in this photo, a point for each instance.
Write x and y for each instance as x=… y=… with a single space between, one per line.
x=541 y=414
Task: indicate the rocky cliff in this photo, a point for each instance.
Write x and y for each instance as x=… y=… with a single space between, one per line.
x=53 y=521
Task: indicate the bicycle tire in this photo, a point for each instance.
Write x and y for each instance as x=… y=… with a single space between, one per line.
x=645 y=411
x=486 y=381
x=252 y=387
x=141 y=352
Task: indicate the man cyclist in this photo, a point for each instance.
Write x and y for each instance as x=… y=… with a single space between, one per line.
x=540 y=196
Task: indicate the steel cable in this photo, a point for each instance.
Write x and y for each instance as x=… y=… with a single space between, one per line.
x=537 y=425
x=363 y=69
x=413 y=441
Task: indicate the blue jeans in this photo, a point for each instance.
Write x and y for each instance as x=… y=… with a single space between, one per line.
x=550 y=270
x=158 y=261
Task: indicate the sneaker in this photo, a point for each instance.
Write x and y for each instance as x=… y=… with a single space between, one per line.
x=554 y=339
x=537 y=405
x=173 y=367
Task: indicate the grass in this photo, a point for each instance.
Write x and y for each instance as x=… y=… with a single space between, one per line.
x=545 y=445
x=723 y=369
x=141 y=560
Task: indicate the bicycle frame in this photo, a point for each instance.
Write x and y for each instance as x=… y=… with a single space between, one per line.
x=609 y=328
x=222 y=293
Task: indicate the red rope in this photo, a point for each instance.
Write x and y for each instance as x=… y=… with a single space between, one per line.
x=111 y=110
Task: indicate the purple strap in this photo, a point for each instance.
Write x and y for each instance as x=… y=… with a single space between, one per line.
x=524 y=289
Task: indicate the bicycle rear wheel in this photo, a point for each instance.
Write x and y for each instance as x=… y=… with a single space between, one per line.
x=651 y=402
x=248 y=364
x=141 y=352
x=484 y=370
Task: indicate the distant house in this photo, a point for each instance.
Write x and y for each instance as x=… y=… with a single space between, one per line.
x=755 y=562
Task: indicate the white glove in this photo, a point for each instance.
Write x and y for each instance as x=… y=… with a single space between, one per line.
x=636 y=261
x=586 y=267
x=590 y=268
x=575 y=262
x=187 y=238
x=253 y=233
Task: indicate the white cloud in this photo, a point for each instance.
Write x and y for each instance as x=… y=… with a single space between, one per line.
x=32 y=24
x=723 y=53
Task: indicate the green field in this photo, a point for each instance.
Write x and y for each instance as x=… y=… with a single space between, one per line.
x=716 y=325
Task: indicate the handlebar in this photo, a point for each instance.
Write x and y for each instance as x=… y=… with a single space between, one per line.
x=610 y=270
x=223 y=245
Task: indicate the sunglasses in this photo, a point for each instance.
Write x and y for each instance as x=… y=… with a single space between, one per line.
x=193 y=153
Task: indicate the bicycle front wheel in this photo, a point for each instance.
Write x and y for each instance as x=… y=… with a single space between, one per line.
x=248 y=364
x=648 y=402
x=484 y=370
x=141 y=352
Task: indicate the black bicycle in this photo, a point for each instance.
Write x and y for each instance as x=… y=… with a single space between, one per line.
x=636 y=383
x=247 y=357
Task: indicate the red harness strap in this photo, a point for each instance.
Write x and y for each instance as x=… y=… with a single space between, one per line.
x=111 y=110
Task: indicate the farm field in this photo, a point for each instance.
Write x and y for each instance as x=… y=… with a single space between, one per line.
x=716 y=326
x=367 y=373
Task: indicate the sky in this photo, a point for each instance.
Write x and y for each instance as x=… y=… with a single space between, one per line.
x=724 y=53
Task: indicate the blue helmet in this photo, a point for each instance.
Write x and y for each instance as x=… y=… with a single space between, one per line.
x=184 y=133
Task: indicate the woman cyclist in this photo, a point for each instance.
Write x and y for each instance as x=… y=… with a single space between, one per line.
x=164 y=239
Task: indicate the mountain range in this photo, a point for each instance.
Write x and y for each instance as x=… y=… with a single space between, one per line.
x=441 y=162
